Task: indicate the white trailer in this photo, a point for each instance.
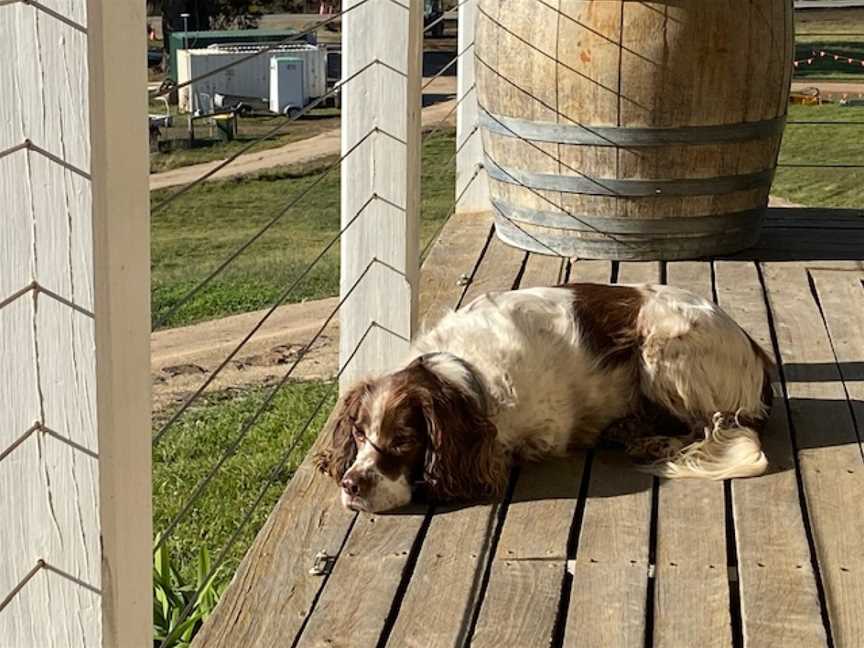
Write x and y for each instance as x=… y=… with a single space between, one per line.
x=251 y=78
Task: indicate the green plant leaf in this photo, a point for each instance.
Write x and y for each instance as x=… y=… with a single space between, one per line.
x=179 y=630
x=162 y=560
x=203 y=566
x=162 y=597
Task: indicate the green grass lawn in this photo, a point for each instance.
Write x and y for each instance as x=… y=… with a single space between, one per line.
x=193 y=446
x=176 y=150
x=196 y=232
x=823 y=144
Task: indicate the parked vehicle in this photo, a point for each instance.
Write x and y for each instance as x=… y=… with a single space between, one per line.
x=154 y=57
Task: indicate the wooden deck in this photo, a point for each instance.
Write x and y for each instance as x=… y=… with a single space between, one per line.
x=588 y=552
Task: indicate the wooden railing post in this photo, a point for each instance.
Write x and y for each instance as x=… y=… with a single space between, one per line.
x=472 y=188
x=382 y=46
x=76 y=537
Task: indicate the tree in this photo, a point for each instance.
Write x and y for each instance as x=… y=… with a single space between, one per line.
x=209 y=14
x=199 y=20
x=237 y=14
x=205 y=15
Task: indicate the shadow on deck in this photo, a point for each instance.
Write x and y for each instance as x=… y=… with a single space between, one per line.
x=587 y=551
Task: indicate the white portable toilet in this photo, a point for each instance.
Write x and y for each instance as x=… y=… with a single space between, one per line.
x=287 y=88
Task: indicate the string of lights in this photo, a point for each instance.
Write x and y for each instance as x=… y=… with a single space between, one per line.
x=819 y=54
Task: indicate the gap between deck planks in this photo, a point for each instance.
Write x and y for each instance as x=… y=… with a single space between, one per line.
x=829 y=451
x=841 y=298
x=272 y=593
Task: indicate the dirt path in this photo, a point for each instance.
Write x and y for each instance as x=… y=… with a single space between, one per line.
x=182 y=358
x=304 y=151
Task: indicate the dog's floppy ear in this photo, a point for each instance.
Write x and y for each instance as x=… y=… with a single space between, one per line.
x=340 y=450
x=462 y=460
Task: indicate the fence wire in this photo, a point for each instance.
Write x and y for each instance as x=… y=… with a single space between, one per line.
x=195 y=290
x=288 y=119
x=271 y=133
x=247 y=426
x=271 y=479
x=276 y=304
x=279 y=466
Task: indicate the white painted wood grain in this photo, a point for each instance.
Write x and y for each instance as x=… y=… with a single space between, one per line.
x=76 y=489
x=16 y=242
x=50 y=487
x=380 y=251
x=16 y=49
x=46 y=85
x=74 y=10
x=474 y=198
x=19 y=408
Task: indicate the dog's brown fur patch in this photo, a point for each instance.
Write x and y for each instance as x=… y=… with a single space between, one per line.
x=607 y=316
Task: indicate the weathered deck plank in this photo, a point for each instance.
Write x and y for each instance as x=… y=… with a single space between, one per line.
x=274 y=575
x=590 y=271
x=524 y=591
x=542 y=271
x=828 y=449
x=355 y=604
x=607 y=605
x=456 y=253
x=636 y=272
x=610 y=578
x=841 y=295
x=529 y=567
x=691 y=607
x=439 y=603
x=778 y=592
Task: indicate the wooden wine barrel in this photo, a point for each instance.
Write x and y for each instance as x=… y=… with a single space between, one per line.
x=632 y=130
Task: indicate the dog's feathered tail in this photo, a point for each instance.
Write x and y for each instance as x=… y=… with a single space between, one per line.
x=727 y=451
x=731 y=447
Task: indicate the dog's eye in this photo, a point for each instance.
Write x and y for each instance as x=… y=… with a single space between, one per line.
x=402 y=445
x=359 y=436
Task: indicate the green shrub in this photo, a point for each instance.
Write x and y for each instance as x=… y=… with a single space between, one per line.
x=172 y=595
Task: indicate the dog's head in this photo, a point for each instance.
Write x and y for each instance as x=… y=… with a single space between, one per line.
x=425 y=425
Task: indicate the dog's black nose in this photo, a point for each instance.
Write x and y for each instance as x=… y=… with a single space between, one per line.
x=351 y=485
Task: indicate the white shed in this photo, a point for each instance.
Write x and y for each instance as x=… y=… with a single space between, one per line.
x=248 y=78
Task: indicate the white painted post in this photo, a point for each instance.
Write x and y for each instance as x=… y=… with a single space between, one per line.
x=380 y=182
x=75 y=515
x=474 y=198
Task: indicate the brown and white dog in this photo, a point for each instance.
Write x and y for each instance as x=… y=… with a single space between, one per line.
x=526 y=374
